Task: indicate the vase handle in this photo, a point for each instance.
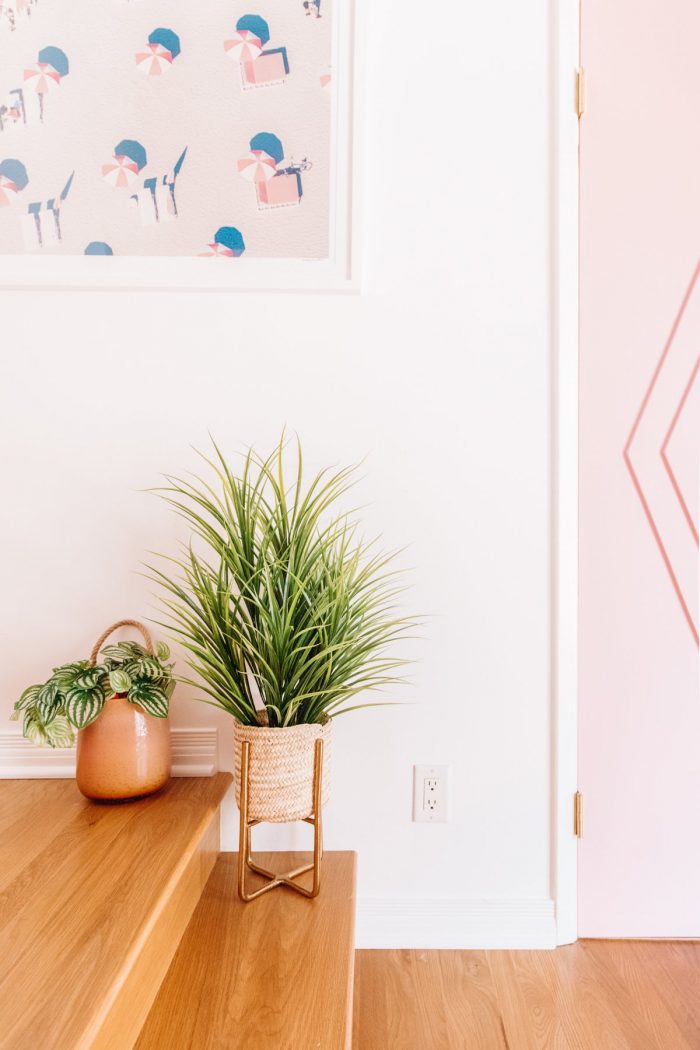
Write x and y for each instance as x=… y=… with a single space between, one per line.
x=122 y=623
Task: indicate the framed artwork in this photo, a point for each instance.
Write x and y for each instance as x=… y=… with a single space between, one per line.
x=171 y=144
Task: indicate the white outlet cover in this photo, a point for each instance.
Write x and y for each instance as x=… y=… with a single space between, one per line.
x=431 y=794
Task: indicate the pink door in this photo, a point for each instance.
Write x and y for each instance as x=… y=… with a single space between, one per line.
x=639 y=738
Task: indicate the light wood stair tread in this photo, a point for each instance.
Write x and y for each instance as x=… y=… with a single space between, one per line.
x=93 y=901
x=274 y=974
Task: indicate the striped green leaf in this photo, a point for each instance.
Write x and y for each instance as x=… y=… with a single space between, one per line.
x=120 y=680
x=32 y=728
x=147 y=667
x=150 y=697
x=90 y=678
x=83 y=705
x=47 y=702
x=28 y=697
x=60 y=732
x=65 y=675
x=57 y=734
x=162 y=651
x=120 y=652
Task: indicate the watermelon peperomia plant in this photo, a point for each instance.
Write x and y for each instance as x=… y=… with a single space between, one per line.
x=75 y=694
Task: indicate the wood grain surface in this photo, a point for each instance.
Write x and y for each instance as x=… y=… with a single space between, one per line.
x=593 y=995
x=274 y=974
x=86 y=892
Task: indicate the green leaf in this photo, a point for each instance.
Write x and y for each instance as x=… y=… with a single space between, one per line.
x=90 y=678
x=28 y=697
x=47 y=702
x=60 y=732
x=162 y=651
x=150 y=697
x=65 y=675
x=120 y=680
x=120 y=652
x=83 y=705
x=277 y=594
x=32 y=728
x=147 y=667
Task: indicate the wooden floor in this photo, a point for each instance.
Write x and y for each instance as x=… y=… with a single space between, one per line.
x=274 y=974
x=594 y=995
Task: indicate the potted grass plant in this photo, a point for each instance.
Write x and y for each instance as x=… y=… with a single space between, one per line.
x=288 y=618
x=118 y=702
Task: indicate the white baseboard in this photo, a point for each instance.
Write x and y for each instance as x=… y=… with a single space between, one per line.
x=455 y=924
x=195 y=754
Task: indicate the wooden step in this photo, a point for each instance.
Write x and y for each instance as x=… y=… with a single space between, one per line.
x=274 y=974
x=93 y=902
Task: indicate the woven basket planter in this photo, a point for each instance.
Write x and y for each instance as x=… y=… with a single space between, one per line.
x=281 y=774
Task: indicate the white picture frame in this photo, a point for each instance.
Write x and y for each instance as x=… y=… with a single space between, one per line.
x=338 y=273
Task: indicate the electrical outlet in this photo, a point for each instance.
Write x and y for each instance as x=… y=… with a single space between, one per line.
x=431 y=793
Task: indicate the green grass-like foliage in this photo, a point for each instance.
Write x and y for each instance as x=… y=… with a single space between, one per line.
x=75 y=694
x=286 y=606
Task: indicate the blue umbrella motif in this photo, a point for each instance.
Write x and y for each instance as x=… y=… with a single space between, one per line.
x=228 y=243
x=256 y=25
x=13 y=179
x=123 y=170
x=98 y=248
x=167 y=39
x=162 y=50
x=275 y=185
x=15 y=172
x=133 y=150
x=268 y=143
x=46 y=75
x=56 y=58
x=231 y=240
x=260 y=64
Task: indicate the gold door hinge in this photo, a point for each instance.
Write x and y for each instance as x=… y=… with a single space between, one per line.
x=578 y=814
x=580 y=91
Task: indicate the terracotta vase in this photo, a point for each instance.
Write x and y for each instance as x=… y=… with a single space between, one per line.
x=123 y=754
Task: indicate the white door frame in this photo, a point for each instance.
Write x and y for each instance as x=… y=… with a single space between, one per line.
x=564 y=224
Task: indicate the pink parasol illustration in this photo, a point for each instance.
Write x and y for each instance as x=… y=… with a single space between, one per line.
x=244 y=46
x=154 y=60
x=219 y=250
x=8 y=191
x=121 y=173
x=258 y=166
x=43 y=76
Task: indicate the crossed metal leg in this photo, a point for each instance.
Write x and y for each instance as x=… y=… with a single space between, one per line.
x=245 y=860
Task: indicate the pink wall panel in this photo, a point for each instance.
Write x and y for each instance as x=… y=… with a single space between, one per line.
x=640 y=436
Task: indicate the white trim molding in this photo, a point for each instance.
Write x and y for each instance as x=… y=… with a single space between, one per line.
x=195 y=754
x=421 y=923
x=565 y=59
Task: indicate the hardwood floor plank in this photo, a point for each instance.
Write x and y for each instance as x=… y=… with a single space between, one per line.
x=585 y=996
x=273 y=974
x=632 y=990
x=674 y=968
x=587 y=1017
x=410 y=1000
x=527 y=1000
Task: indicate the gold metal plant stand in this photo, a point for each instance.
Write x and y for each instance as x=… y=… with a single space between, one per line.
x=288 y=878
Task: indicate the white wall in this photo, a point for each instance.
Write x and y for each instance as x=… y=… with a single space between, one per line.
x=439 y=371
